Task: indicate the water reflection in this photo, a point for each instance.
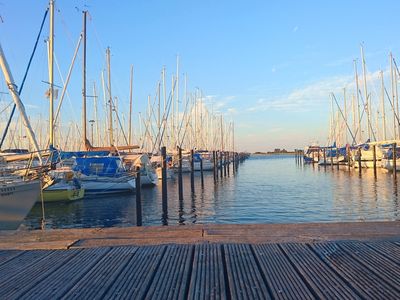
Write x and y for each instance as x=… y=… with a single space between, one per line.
x=262 y=190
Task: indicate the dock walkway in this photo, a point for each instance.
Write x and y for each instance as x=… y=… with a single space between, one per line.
x=339 y=267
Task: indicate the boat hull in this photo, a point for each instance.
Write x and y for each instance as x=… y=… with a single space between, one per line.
x=63 y=195
x=95 y=185
x=16 y=200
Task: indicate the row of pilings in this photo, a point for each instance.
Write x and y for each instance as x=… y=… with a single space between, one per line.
x=225 y=163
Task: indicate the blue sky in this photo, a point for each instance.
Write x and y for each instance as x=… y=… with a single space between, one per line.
x=268 y=65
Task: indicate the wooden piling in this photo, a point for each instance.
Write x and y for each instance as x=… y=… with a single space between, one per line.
x=394 y=161
x=324 y=157
x=215 y=166
x=164 y=184
x=138 y=198
x=348 y=158
x=337 y=158
x=220 y=164
x=192 y=170
x=374 y=157
x=180 y=181
x=229 y=162
x=233 y=163
x=359 y=160
x=201 y=173
x=331 y=158
x=225 y=164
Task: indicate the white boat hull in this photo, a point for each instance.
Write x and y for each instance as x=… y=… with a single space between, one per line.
x=94 y=185
x=16 y=200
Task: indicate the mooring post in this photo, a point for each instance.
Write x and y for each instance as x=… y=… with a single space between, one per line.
x=201 y=173
x=229 y=162
x=233 y=163
x=221 y=167
x=374 y=158
x=215 y=170
x=318 y=155
x=324 y=157
x=394 y=160
x=296 y=155
x=337 y=157
x=359 y=160
x=224 y=163
x=348 y=158
x=192 y=170
x=164 y=182
x=138 y=198
x=180 y=181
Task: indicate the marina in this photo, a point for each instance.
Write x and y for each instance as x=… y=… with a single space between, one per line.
x=185 y=151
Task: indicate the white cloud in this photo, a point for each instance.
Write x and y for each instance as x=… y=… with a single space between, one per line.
x=317 y=93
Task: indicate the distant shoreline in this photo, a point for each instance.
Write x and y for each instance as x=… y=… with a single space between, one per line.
x=273 y=153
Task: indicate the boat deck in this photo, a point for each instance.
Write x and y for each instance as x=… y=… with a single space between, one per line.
x=212 y=265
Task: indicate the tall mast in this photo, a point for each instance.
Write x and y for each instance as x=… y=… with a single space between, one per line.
x=18 y=103
x=130 y=109
x=393 y=97
x=84 y=134
x=368 y=102
x=358 y=102
x=51 y=73
x=96 y=119
x=110 y=98
x=345 y=115
x=353 y=117
x=383 y=107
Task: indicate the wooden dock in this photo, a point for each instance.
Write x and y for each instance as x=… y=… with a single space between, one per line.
x=291 y=261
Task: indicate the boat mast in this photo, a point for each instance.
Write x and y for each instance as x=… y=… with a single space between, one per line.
x=367 y=102
x=345 y=115
x=110 y=98
x=358 y=102
x=51 y=73
x=393 y=97
x=84 y=133
x=383 y=106
x=15 y=95
x=130 y=109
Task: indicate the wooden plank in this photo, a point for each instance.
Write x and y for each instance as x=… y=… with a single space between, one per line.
x=245 y=280
x=136 y=277
x=172 y=278
x=325 y=283
x=207 y=281
x=281 y=276
x=369 y=285
x=390 y=250
x=97 y=281
x=6 y=255
x=17 y=285
x=65 y=276
x=19 y=264
x=379 y=264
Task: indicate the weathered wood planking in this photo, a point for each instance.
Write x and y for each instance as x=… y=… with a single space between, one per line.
x=96 y=282
x=281 y=276
x=64 y=278
x=134 y=280
x=325 y=283
x=7 y=255
x=340 y=270
x=245 y=280
x=367 y=283
x=379 y=264
x=208 y=280
x=171 y=279
x=390 y=250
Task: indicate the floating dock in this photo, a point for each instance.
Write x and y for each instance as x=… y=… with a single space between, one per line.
x=277 y=261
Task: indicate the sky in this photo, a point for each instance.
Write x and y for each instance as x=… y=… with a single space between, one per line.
x=267 y=65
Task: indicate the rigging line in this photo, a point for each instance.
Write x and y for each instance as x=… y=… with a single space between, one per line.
x=24 y=78
x=9 y=104
x=341 y=112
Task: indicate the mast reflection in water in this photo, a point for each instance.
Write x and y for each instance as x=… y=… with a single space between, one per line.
x=266 y=189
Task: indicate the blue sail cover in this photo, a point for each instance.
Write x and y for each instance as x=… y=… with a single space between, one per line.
x=101 y=166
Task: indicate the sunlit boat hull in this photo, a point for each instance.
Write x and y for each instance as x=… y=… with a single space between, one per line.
x=16 y=200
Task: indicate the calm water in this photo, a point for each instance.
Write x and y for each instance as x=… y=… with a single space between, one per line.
x=269 y=189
